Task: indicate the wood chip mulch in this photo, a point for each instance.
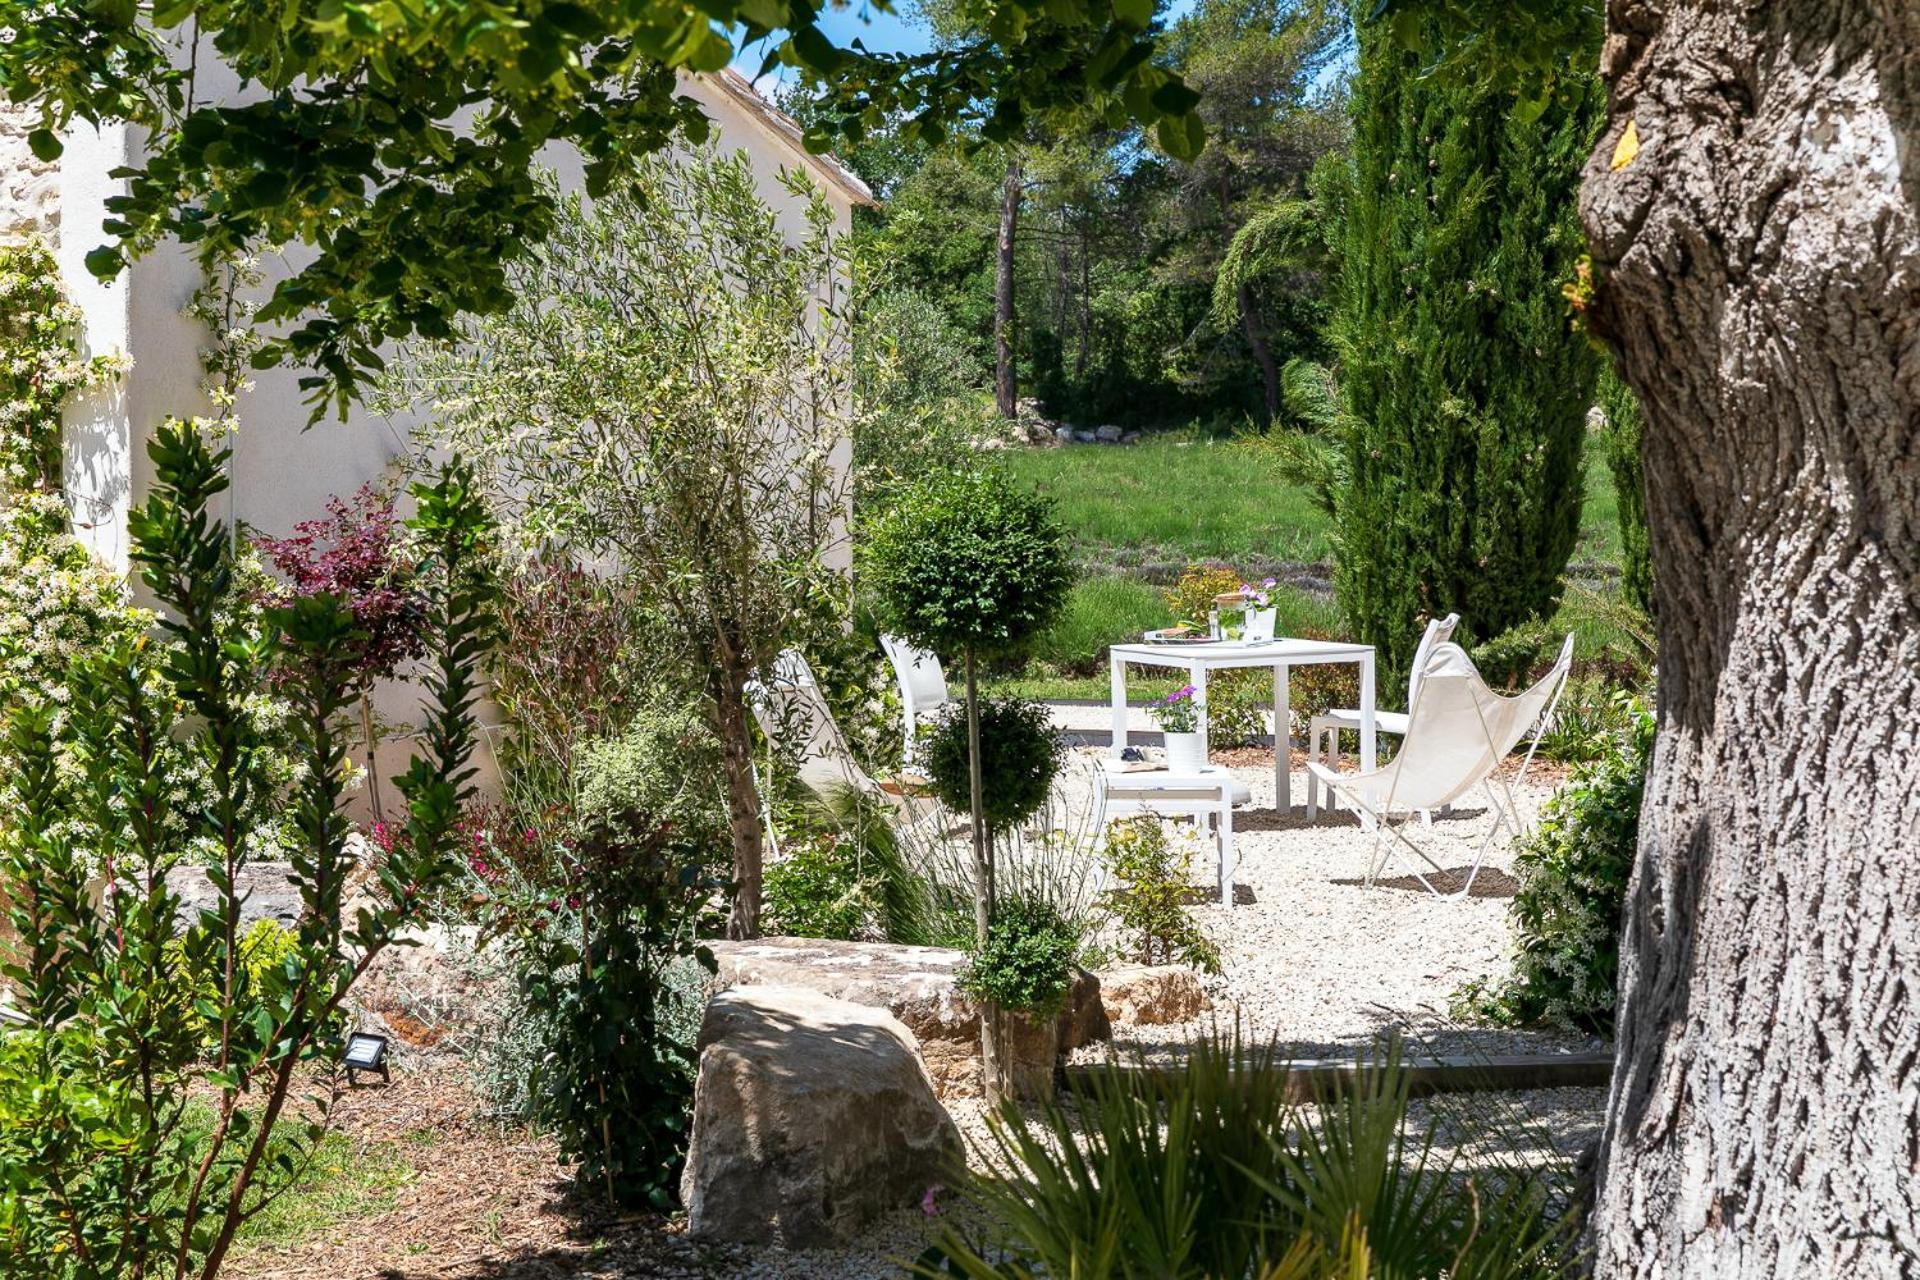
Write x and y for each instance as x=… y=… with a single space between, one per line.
x=482 y=1203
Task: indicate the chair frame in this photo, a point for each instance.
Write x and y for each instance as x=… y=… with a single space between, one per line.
x=1389 y=837
x=1323 y=731
x=904 y=657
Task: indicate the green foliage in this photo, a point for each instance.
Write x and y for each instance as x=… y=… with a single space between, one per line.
x=1020 y=754
x=816 y=890
x=380 y=101
x=1099 y=611
x=105 y=1169
x=1026 y=965
x=1573 y=870
x=845 y=875
x=1620 y=442
x=1465 y=384
x=968 y=562
x=1150 y=904
x=43 y=368
x=1213 y=1170
x=919 y=401
x=596 y=909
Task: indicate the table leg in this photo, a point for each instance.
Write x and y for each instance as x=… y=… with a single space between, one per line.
x=1119 y=678
x=1367 y=756
x=1282 y=741
x=1197 y=677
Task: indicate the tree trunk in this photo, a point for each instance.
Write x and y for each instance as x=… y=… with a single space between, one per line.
x=1262 y=356
x=993 y=1079
x=743 y=803
x=1006 y=386
x=1758 y=265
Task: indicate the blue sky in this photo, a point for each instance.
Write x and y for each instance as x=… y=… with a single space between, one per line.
x=899 y=31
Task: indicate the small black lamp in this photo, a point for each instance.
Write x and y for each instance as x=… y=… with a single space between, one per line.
x=366 y=1052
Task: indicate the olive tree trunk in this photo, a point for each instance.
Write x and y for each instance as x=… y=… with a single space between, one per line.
x=735 y=729
x=1760 y=278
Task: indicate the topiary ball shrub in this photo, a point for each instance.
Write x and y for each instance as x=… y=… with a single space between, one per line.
x=1020 y=755
x=968 y=562
x=1026 y=965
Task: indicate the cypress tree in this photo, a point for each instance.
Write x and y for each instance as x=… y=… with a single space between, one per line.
x=1620 y=438
x=1466 y=386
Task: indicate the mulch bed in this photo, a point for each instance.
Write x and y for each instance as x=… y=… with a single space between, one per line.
x=484 y=1203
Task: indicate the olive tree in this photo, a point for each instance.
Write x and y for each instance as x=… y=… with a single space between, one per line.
x=970 y=563
x=667 y=400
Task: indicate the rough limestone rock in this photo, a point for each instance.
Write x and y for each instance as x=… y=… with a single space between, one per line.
x=1108 y=434
x=1082 y=436
x=1152 y=995
x=918 y=986
x=811 y=1117
x=1131 y=437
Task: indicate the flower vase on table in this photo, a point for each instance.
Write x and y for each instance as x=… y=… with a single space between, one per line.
x=1245 y=614
x=1179 y=717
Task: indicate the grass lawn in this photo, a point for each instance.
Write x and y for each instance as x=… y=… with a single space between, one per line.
x=1168 y=501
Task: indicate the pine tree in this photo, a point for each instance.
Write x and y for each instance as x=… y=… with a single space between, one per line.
x=1466 y=386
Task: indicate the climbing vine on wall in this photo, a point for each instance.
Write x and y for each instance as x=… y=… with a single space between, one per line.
x=40 y=366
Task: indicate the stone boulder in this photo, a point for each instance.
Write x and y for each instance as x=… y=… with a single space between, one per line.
x=1152 y=995
x=811 y=1117
x=1108 y=434
x=919 y=986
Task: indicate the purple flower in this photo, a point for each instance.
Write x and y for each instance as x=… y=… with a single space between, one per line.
x=927 y=1205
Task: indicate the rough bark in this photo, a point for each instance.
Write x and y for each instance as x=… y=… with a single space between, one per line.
x=1006 y=384
x=1262 y=355
x=1760 y=280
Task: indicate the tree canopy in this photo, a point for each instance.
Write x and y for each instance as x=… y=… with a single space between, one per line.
x=396 y=139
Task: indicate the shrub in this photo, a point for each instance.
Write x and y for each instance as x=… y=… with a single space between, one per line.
x=969 y=563
x=105 y=1166
x=1213 y=1170
x=1150 y=904
x=1026 y=965
x=1466 y=389
x=1573 y=871
x=597 y=912
x=816 y=890
x=1020 y=754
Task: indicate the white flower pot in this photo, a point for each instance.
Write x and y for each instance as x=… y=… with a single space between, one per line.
x=1186 y=752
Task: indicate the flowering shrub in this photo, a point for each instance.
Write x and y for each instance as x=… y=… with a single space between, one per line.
x=1178 y=712
x=40 y=366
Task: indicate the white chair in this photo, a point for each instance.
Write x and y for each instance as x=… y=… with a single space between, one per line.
x=1323 y=731
x=1208 y=793
x=1458 y=732
x=794 y=717
x=923 y=689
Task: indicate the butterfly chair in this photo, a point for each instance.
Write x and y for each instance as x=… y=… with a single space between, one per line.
x=923 y=689
x=794 y=717
x=1323 y=731
x=1458 y=732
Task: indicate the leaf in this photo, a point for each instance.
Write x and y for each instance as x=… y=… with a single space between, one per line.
x=1182 y=137
x=1626 y=149
x=1133 y=14
x=45 y=144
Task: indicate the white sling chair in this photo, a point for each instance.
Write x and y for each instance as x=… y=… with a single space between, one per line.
x=1458 y=732
x=923 y=689
x=1323 y=731
x=793 y=713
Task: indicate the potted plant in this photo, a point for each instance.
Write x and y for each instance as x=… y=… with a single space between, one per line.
x=1181 y=718
x=1246 y=613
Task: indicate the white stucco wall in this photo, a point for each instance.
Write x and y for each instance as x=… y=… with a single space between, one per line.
x=282 y=470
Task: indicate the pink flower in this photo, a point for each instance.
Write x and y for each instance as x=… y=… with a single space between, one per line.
x=927 y=1205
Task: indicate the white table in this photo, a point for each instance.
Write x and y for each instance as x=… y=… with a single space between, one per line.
x=1227 y=655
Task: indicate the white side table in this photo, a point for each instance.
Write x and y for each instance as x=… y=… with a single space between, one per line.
x=1227 y=655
